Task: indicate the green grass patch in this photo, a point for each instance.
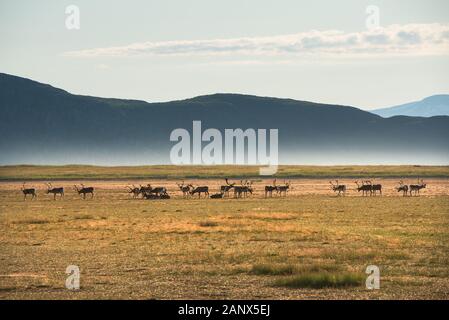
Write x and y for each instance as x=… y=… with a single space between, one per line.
x=35 y=172
x=282 y=269
x=321 y=280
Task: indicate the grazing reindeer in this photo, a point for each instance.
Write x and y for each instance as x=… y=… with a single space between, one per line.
x=134 y=190
x=374 y=187
x=28 y=191
x=416 y=187
x=84 y=190
x=283 y=189
x=55 y=191
x=269 y=189
x=184 y=188
x=402 y=187
x=199 y=190
x=365 y=188
x=225 y=189
x=340 y=188
x=243 y=189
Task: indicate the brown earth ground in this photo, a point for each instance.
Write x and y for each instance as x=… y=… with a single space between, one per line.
x=207 y=249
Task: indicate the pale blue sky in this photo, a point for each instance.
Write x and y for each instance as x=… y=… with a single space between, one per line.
x=36 y=44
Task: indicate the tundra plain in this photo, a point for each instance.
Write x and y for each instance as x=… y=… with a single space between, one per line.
x=247 y=248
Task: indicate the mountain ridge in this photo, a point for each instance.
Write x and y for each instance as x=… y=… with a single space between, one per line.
x=41 y=124
x=435 y=105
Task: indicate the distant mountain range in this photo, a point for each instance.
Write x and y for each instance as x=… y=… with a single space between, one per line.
x=437 y=105
x=40 y=124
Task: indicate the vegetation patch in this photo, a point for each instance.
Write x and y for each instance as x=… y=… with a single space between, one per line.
x=278 y=269
x=83 y=217
x=321 y=280
x=32 y=221
x=208 y=224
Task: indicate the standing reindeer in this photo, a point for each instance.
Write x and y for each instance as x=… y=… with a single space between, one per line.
x=28 y=191
x=84 y=190
x=243 y=189
x=416 y=187
x=199 y=190
x=134 y=190
x=55 y=191
x=269 y=189
x=158 y=191
x=283 y=189
x=374 y=187
x=340 y=188
x=143 y=190
x=226 y=188
x=402 y=188
x=365 y=188
x=184 y=188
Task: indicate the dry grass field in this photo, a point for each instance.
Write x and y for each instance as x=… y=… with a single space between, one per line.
x=253 y=248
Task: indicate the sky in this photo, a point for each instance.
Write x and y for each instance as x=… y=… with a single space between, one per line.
x=368 y=54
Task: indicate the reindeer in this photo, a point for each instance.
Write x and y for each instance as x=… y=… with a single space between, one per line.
x=217 y=195
x=340 y=188
x=226 y=188
x=269 y=189
x=144 y=190
x=184 y=188
x=150 y=196
x=199 y=190
x=153 y=196
x=365 y=188
x=283 y=189
x=416 y=187
x=374 y=187
x=134 y=190
x=84 y=190
x=243 y=189
x=402 y=188
x=55 y=191
x=28 y=191
x=157 y=191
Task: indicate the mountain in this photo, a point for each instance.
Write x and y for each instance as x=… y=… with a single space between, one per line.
x=437 y=105
x=40 y=124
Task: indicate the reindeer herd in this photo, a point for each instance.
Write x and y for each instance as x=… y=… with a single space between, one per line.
x=241 y=190
x=82 y=191
x=369 y=189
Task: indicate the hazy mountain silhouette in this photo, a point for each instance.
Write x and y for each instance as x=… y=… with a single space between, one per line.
x=43 y=124
x=437 y=105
